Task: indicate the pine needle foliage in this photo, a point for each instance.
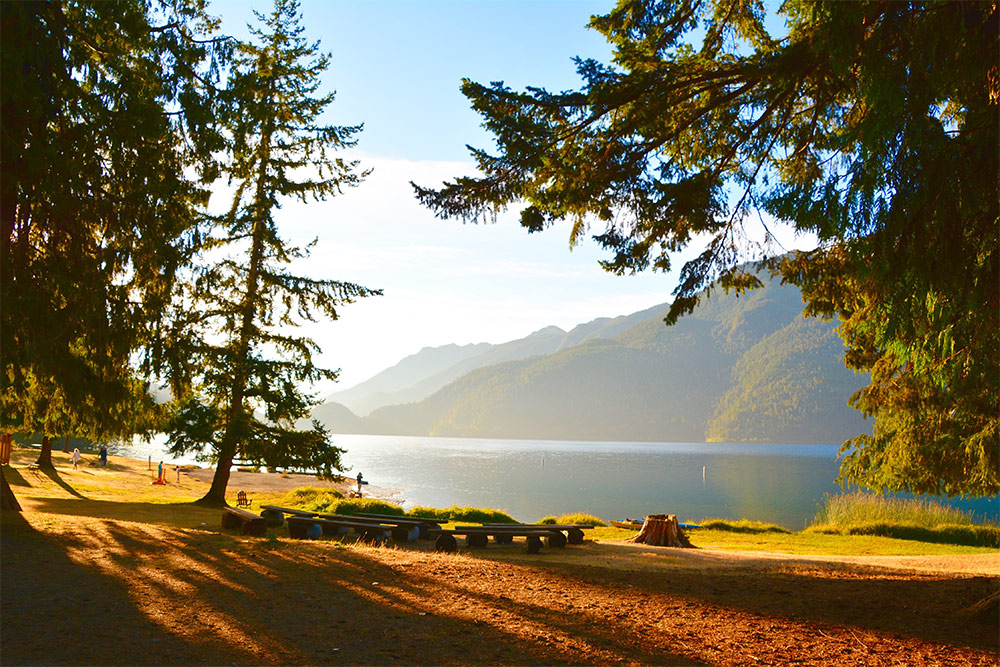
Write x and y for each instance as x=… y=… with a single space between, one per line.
x=241 y=370
x=872 y=125
x=107 y=134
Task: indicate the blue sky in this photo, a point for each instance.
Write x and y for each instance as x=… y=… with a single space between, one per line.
x=397 y=68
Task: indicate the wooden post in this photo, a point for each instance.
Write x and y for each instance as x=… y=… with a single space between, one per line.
x=661 y=530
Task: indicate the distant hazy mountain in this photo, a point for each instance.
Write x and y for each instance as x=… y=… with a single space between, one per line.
x=419 y=375
x=747 y=368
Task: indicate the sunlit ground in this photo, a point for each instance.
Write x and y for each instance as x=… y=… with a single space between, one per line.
x=102 y=569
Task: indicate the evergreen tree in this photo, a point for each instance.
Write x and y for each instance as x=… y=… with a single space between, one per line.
x=244 y=367
x=104 y=106
x=872 y=125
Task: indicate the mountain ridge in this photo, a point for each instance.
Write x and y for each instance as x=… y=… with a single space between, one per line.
x=744 y=368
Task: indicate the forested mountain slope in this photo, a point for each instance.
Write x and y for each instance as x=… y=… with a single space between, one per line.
x=747 y=368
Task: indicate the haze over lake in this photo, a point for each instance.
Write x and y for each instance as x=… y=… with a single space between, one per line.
x=530 y=479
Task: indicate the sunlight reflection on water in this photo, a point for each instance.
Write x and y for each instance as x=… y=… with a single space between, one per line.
x=530 y=479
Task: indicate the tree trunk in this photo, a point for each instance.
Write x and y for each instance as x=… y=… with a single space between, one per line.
x=661 y=530
x=8 y=501
x=216 y=496
x=45 y=456
x=66 y=444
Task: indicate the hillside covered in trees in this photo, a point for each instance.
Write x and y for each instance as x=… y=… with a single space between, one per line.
x=738 y=369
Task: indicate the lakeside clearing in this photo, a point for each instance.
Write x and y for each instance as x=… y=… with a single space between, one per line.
x=103 y=567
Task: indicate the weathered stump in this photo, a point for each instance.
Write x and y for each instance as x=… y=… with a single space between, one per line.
x=661 y=530
x=574 y=536
x=533 y=544
x=503 y=539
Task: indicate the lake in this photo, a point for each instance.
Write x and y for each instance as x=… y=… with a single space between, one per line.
x=530 y=479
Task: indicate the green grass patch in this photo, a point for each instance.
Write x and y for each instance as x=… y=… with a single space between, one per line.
x=816 y=543
x=349 y=506
x=311 y=499
x=548 y=521
x=741 y=526
x=436 y=513
x=581 y=518
x=456 y=514
x=970 y=535
x=903 y=519
x=331 y=501
x=851 y=509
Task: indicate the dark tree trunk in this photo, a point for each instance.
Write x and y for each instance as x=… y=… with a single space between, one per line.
x=216 y=496
x=66 y=444
x=45 y=456
x=8 y=501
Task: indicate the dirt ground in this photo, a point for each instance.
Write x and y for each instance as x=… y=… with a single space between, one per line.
x=83 y=585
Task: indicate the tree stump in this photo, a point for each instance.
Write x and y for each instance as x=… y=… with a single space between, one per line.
x=661 y=530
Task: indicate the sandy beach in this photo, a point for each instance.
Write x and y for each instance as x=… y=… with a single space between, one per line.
x=275 y=482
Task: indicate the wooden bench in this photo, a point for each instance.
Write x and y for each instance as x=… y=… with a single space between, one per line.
x=478 y=536
x=275 y=515
x=301 y=528
x=403 y=529
x=574 y=531
x=248 y=522
x=423 y=525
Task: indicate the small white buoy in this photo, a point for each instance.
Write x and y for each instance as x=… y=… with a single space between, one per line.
x=703 y=474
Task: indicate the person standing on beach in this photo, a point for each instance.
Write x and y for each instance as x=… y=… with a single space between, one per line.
x=104 y=455
x=359 y=483
x=76 y=459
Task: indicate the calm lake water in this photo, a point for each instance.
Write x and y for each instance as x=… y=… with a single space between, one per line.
x=530 y=479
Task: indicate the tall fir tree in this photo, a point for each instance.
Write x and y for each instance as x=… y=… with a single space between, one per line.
x=244 y=368
x=106 y=107
x=872 y=125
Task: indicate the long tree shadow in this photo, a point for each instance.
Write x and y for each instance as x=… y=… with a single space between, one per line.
x=929 y=607
x=186 y=598
x=179 y=514
x=59 y=611
x=195 y=597
x=54 y=475
x=14 y=476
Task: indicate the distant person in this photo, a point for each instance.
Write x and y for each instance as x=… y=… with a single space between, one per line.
x=104 y=456
x=76 y=458
x=359 y=483
x=159 y=475
x=178 y=468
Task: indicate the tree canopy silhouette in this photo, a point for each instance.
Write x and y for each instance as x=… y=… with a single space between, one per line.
x=105 y=107
x=239 y=370
x=872 y=125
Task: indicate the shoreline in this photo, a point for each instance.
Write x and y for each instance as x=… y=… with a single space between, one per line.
x=273 y=482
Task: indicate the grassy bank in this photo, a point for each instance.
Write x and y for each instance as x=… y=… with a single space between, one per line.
x=122 y=491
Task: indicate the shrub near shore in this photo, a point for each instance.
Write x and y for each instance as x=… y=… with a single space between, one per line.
x=906 y=519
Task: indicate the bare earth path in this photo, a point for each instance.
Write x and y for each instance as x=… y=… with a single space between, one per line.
x=82 y=585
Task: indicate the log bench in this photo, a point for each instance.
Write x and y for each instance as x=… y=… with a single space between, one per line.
x=303 y=528
x=275 y=514
x=478 y=536
x=574 y=531
x=248 y=522
x=401 y=528
x=425 y=525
